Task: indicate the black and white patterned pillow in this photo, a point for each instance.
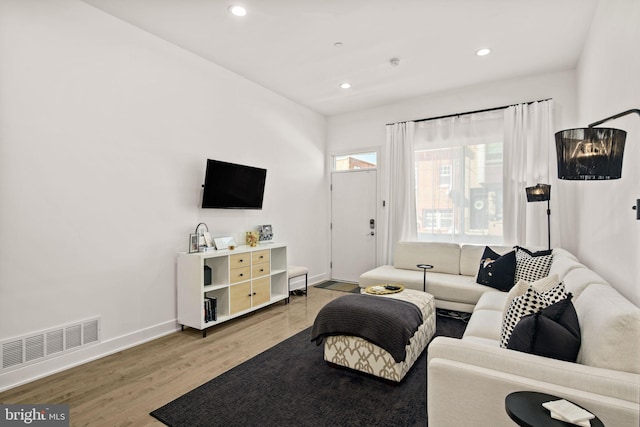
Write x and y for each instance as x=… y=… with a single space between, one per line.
x=532 y=266
x=555 y=294
x=530 y=303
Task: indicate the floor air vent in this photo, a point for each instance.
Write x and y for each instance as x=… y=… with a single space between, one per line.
x=31 y=348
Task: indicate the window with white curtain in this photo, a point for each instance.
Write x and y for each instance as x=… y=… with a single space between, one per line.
x=459 y=172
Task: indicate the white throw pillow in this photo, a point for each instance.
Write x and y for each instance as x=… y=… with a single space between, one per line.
x=542 y=285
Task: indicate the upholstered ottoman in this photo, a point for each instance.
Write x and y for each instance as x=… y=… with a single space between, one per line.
x=361 y=355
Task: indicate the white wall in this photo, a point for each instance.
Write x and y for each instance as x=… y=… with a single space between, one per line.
x=366 y=129
x=608 y=235
x=104 y=135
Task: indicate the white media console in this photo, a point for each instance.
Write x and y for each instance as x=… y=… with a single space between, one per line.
x=242 y=280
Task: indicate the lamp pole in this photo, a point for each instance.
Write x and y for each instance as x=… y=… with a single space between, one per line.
x=540 y=193
x=549 y=222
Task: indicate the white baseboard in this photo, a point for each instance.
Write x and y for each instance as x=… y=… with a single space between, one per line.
x=298 y=282
x=63 y=362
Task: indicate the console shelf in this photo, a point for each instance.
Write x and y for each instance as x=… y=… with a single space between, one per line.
x=242 y=280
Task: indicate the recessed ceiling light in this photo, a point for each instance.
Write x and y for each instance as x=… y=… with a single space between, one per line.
x=238 y=10
x=338 y=44
x=345 y=85
x=483 y=52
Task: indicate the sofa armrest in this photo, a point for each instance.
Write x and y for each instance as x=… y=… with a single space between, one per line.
x=621 y=385
x=468 y=380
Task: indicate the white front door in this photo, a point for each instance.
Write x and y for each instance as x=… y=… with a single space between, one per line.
x=353 y=219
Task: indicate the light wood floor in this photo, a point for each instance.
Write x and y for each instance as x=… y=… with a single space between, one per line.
x=121 y=389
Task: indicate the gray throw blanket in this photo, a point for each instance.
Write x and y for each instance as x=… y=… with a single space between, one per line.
x=385 y=322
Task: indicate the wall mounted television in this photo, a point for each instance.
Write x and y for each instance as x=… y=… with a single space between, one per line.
x=233 y=186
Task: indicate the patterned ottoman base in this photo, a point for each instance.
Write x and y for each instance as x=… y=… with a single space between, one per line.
x=361 y=355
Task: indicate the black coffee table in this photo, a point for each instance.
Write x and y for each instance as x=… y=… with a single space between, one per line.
x=525 y=408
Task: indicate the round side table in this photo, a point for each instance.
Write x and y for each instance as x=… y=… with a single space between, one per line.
x=424 y=267
x=525 y=408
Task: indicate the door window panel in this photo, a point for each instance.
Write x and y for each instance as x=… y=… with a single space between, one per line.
x=355 y=161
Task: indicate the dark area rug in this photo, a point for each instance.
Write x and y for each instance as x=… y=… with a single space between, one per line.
x=291 y=385
x=353 y=288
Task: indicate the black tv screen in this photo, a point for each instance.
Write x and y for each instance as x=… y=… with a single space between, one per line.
x=233 y=186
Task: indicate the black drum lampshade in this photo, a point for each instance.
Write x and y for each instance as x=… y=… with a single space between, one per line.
x=590 y=153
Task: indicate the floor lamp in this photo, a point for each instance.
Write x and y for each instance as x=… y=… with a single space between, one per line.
x=593 y=153
x=542 y=193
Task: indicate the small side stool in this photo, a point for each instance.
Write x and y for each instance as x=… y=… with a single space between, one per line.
x=297 y=271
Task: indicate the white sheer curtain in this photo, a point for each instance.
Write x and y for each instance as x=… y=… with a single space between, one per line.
x=399 y=216
x=460 y=172
x=528 y=142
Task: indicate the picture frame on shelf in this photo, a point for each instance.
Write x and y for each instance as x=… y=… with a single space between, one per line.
x=266 y=232
x=224 y=242
x=193 y=243
x=208 y=241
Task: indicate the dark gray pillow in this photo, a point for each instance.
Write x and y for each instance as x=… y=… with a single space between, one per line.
x=497 y=270
x=553 y=332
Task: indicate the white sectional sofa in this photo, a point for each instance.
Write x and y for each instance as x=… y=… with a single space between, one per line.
x=452 y=281
x=469 y=378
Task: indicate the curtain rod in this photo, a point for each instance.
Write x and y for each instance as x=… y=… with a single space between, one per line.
x=469 y=112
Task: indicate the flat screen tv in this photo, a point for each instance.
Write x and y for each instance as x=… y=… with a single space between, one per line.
x=233 y=186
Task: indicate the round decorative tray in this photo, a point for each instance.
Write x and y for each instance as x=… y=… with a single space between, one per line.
x=392 y=288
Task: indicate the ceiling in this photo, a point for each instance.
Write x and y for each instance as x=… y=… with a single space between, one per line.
x=288 y=46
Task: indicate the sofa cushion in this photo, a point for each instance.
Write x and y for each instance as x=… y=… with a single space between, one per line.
x=532 y=266
x=553 y=332
x=445 y=257
x=455 y=288
x=563 y=262
x=563 y=253
x=497 y=271
x=389 y=274
x=444 y=287
x=470 y=257
x=543 y=285
x=492 y=301
x=529 y=303
x=484 y=324
x=578 y=279
x=610 y=326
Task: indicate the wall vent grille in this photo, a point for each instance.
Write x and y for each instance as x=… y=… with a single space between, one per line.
x=55 y=342
x=35 y=347
x=12 y=354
